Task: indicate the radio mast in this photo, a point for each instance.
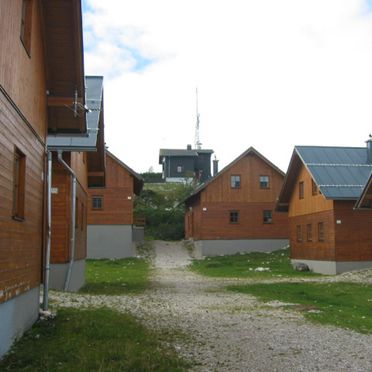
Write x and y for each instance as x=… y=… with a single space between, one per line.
x=197 y=139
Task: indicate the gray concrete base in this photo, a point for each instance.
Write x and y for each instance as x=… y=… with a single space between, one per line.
x=17 y=316
x=110 y=241
x=138 y=234
x=334 y=267
x=226 y=247
x=58 y=273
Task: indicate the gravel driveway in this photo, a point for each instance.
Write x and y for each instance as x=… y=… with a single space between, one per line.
x=225 y=331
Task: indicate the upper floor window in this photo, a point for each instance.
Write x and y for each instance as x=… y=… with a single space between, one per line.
x=234 y=216
x=235 y=182
x=267 y=216
x=97 y=202
x=264 y=182
x=19 y=185
x=301 y=190
x=314 y=188
x=26 y=23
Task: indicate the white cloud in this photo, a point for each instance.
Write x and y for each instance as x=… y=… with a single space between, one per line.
x=270 y=74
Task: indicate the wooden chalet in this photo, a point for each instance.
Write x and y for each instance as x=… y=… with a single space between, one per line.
x=110 y=211
x=41 y=80
x=235 y=210
x=187 y=165
x=320 y=192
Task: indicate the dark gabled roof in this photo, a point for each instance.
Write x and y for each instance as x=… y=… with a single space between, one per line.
x=251 y=150
x=182 y=152
x=340 y=172
x=138 y=180
x=365 y=200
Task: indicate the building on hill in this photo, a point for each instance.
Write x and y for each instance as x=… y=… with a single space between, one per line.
x=110 y=211
x=235 y=210
x=185 y=165
x=320 y=192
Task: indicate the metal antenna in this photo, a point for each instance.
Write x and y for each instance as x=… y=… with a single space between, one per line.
x=197 y=139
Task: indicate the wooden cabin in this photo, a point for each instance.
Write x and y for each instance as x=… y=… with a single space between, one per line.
x=235 y=210
x=40 y=61
x=110 y=211
x=77 y=160
x=189 y=165
x=321 y=188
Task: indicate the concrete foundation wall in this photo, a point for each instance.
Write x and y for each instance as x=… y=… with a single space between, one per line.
x=58 y=273
x=138 y=234
x=226 y=247
x=110 y=241
x=17 y=316
x=334 y=267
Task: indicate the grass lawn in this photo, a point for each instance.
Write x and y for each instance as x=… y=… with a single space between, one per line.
x=249 y=265
x=115 y=277
x=91 y=340
x=346 y=305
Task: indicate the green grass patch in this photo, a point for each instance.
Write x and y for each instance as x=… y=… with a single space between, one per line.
x=250 y=265
x=116 y=277
x=91 y=340
x=346 y=305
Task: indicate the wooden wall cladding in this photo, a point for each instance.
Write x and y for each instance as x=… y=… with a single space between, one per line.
x=118 y=196
x=353 y=230
x=315 y=249
x=28 y=89
x=21 y=242
x=310 y=203
x=61 y=217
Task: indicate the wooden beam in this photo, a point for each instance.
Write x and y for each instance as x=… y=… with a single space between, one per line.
x=62 y=101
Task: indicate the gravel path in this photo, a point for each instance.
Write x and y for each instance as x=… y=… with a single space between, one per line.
x=225 y=331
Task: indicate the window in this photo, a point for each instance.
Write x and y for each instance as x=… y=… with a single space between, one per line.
x=234 y=216
x=314 y=188
x=235 y=182
x=26 y=21
x=267 y=217
x=309 y=232
x=299 y=233
x=321 y=231
x=301 y=190
x=19 y=185
x=97 y=202
x=264 y=182
x=179 y=169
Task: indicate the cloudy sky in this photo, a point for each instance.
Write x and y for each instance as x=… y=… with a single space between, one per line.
x=270 y=74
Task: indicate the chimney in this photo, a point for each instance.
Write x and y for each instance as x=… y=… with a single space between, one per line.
x=188 y=147
x=215 y=166
x=369 y=149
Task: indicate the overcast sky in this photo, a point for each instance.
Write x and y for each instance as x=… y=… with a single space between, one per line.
x=270 y=74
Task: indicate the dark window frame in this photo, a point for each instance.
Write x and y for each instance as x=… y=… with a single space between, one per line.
x=235 y=181
x=314 y=188
x=301 y=190
x=321 y=232
x=99 y=206
x=19 y=185
x=299 y=233
x=234 y=217
x=267 y=215
x=309 y=232
x=264 y=184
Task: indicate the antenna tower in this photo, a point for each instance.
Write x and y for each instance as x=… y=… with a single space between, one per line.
x=197 y=139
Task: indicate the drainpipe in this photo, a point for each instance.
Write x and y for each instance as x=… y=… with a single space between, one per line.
x=73 y=222
x=49 y=233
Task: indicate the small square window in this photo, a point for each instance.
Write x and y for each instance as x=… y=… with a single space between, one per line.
x=321 y=231
x=234 y=216
x=301 y=190
x=97 y=202
x=264 y=182
x=235 y=182
x=299 y=233
x=309 y=232
x=267 y=217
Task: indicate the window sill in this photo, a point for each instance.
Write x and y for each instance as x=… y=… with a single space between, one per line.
x=18 y=219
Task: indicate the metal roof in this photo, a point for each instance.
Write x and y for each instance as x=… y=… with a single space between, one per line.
x=88 y=141
x=339 y=172
x=174 y=152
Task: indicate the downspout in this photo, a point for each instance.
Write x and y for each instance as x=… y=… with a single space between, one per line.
x=49 y=233
x=73 y=215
